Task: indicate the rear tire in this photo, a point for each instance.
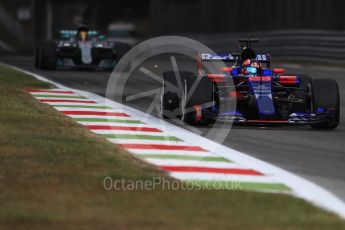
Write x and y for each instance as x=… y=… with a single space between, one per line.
x=325 y=95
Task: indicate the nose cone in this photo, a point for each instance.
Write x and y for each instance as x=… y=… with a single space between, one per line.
x=262 y=89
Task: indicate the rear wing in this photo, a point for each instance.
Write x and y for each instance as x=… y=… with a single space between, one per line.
x=207 y=57
x=264 y=58
x=73 y=33
x=217 y=57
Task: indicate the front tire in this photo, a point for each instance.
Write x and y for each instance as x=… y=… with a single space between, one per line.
x=47 y=55
x=325 y=96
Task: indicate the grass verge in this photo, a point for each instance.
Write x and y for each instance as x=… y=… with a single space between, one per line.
x=52 y=172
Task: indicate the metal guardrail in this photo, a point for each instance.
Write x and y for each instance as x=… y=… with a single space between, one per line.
x=316 y=45
x=12 y=25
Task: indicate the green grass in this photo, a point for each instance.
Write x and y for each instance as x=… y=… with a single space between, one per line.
x=52 y=171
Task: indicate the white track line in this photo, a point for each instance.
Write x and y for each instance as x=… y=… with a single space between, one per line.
x=62 y=109
x=57 y=91
x=48 y=96
x=192 y=163
x=172 y=152
x=65 y=105
x=222 y=177
x=67 y=100
x=52 y=94
x=117 y=117
x=112 y=123
x=130 y=132
x=68 y=103
x=148 y=142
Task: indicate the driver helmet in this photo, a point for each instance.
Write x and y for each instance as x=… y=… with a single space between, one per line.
x=251 y=66
x=251 y=63
x=83 y=33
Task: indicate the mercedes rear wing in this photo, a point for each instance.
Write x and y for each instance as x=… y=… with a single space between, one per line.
x=73 y=33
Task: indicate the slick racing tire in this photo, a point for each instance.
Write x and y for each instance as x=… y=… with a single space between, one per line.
x=171 y=93
x=197 y=92
x=46 y=55
x=325 y=95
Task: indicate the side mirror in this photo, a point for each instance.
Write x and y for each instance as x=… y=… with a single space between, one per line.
x=279 y=71
x=226 y=69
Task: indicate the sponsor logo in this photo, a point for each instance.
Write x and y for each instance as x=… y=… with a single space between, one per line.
x=222 y=57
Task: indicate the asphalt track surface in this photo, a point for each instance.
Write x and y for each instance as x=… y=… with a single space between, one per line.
x=313 y=154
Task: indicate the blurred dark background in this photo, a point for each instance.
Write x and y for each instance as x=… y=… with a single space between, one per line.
x=22 y=22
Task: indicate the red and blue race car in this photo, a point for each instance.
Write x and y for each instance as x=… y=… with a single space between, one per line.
x=249 y=92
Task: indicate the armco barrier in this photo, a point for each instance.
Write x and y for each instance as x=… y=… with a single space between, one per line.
x=316 y=45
